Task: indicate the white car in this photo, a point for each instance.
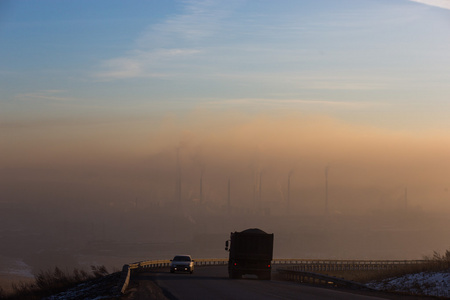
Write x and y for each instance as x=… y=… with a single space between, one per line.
x=182 y=263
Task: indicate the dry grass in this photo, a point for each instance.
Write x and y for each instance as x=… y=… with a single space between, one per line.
x=50 y=282
x=6 y=282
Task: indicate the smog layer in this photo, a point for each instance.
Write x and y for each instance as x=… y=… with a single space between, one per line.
x=116 y=191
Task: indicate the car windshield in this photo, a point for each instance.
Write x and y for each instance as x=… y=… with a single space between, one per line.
x=182 y=258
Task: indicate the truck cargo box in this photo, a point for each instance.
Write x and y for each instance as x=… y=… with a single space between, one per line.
x=251 y=252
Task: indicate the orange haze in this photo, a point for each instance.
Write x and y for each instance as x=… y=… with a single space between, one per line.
x=369 y=168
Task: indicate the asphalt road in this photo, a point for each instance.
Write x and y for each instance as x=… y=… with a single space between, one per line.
x=213 y=283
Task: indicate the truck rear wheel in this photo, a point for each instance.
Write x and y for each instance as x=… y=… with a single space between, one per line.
x=265 y=275
x=234 y=274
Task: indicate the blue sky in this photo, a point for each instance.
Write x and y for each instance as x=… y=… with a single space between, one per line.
x=382 y=63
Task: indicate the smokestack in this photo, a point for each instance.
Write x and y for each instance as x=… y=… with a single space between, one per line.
x=254 y=187
x=260 y=189
x=229 y=196
x=201 y=186
x=326 y=190
x=288 y=204
x=178 y=179
x=406 y=199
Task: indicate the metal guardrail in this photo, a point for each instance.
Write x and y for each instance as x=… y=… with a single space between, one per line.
x=315 y=278
x=302 y=270
x=296 y=266
x=344 y=265
x=129 y=269
x=152 y=264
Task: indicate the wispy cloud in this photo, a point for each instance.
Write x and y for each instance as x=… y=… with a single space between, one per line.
x=142 y=63
x=199 y=20
x=210 y=41
x=295 y=102
x=159 y=46
x=123 y=67
x=438 y=3
x=305 y=80
x=49 y=95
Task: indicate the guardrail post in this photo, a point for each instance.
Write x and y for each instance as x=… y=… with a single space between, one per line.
x=125 y=278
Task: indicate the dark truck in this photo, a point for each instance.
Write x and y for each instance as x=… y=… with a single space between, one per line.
x=250 y=252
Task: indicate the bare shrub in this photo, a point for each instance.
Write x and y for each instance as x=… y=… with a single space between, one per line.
x=99 y=271
x=53 y=280
x=441 y=262
x=80 y=275
x=23 y=290
x=49 y=282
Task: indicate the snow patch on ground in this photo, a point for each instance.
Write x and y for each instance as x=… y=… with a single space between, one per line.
x=424 y=283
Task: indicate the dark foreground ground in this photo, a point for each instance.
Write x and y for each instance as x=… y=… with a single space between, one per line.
x=144 y=286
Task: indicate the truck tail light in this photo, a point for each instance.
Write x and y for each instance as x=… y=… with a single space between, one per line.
x=268 y=266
